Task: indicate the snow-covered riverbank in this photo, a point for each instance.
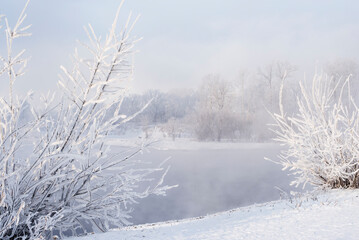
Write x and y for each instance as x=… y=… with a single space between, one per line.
x=331 y=215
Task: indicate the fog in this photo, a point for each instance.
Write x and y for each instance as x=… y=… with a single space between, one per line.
x=211 y=181
x=185 y=40
x=210 y=71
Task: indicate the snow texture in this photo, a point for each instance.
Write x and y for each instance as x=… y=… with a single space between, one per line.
x=329 y=215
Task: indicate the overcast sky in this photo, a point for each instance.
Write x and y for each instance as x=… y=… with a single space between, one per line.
x=183 y=40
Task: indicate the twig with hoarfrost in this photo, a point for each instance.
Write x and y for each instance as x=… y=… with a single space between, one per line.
x=322 y=139
x=57 y=172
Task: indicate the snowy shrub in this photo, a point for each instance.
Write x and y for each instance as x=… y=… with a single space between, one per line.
x=57 y=174
x=322 y=139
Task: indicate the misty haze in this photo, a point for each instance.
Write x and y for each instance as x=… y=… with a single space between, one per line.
x=185 y=120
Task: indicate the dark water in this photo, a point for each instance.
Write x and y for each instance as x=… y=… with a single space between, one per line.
x=211 y=181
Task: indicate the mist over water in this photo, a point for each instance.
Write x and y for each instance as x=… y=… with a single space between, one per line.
x=211 y=181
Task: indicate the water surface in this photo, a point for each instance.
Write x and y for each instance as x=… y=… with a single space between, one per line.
x=212 y=181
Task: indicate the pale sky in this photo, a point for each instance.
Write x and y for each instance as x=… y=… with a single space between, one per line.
x=183 y=40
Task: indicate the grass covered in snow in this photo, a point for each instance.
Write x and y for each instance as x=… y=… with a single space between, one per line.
x=331 y=215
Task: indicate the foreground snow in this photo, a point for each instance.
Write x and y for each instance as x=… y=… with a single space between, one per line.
x=332 y=215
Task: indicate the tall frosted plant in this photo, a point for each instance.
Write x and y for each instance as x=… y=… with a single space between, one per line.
x=322 y=139
x=57 y=174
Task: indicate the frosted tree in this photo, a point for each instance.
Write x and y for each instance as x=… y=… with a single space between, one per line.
x=344 y=67
x=215 y=115
x=273 y=75
x=322 y=139
x=57 y=174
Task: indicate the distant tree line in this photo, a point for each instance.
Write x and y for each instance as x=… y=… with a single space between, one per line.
x=230 y=110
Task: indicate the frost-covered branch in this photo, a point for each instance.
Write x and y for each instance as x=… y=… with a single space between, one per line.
x=56 y=171
x=322 y=139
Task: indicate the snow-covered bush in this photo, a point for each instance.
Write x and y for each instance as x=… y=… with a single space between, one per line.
x=57 y=174
x=322 y=139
